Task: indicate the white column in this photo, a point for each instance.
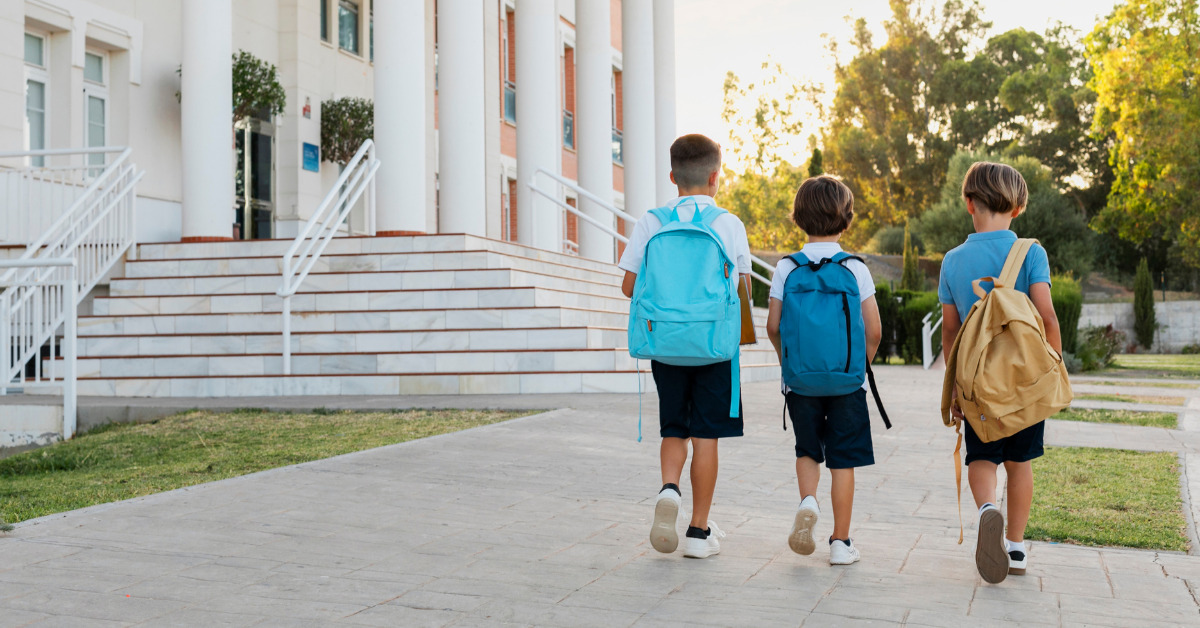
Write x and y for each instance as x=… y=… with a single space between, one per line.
x=462 y=131
x=404 y=173
x=207 y=121
x=637 y=36
x=664 y=97
x=539 y=121
x=593 y=122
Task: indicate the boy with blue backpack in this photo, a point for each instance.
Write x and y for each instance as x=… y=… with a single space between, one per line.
x=824 y=323
x=682 y=265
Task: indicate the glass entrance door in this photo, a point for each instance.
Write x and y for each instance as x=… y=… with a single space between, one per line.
x=255 y=186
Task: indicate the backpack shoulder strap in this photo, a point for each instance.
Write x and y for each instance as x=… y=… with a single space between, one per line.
x=1016 y=259
x=799 y=259
x=878 y=401
x=709 y=214
x=843 y=256
x=665 y=214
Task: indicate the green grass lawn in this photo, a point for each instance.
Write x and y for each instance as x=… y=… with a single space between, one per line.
x=1115 y=497
x=1168 y=420
x=1175 y=385
x=1151 y=365
x=121 y=461
x=1162 y=401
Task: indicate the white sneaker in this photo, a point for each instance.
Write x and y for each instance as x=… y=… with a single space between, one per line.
x=703 y=548
x=991 y=552
x=663 y=535
x=801 y=538
x=1018 y=559
x=842 y=553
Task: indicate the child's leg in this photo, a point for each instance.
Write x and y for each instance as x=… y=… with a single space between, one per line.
x=1020 y=497
x=672 y=456
x=842 y=495
x=704 y=479
x=981 y=474
x=808 y=475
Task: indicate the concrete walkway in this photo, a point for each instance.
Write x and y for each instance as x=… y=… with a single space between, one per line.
x=543 y=522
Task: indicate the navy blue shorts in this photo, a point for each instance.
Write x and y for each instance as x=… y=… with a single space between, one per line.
x=693 y=401
x=833 y=430
x=1020 y=447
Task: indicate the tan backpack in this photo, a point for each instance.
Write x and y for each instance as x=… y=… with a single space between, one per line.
x=1008 y=376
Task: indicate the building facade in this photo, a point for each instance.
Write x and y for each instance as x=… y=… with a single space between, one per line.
x=472 y=99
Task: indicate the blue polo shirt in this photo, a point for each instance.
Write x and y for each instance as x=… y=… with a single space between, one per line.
x=983 y=255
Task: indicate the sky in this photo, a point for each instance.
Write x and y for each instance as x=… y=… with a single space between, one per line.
x=715 y=36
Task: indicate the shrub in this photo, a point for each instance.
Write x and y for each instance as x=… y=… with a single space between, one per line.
x=912 y=279
x=912 y=309
x=1191 y=349
x=889 y=319
x=1144 y=325
x=345 y=124
x=1072 y=362
x=1098 y=345
x=256 y=87
x=1068 y=306
x=759 y=292
x=890 y=241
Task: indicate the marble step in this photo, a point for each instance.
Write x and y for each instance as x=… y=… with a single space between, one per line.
x=355 y=245
x=389 y=384
x=430 y=362
x=358 y=321
x=364 y=262
x=355 y=342
x=359 y=281
x=360 y=300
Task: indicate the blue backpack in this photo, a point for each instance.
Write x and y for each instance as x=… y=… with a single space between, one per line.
x=685 y=308
x=822 y=331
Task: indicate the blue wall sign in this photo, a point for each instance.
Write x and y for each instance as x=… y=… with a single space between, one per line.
x=312 y=157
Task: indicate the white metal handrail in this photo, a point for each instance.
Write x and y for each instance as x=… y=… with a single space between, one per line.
x=613 y=210
x=928 y=355
x=34 y=197
x=357 y=179
x=31 y=304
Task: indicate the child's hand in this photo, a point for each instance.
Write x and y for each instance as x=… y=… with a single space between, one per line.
x=956 y=413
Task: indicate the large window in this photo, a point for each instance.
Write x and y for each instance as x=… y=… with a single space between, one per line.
x=348 y=25
x=569 y=97
x=508 y=58
x=36 y=91
x=95 y=97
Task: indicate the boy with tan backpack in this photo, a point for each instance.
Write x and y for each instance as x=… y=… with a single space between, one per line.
x=1004 y=370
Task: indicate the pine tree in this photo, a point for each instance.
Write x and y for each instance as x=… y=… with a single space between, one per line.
x=1144 y=324
x=816 y=163
x=911 y=279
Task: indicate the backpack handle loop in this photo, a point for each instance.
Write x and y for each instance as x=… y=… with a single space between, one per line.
x=979 y=291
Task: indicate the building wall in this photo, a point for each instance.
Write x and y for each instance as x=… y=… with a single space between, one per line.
x=1179 y=322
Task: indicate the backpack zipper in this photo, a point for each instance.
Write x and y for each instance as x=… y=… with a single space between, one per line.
x=846 y=311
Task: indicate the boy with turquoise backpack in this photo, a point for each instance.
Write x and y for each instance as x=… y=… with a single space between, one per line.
x=824 y=323
x=682 y=266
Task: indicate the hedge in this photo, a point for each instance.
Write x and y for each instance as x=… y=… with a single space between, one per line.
x=1068 y=306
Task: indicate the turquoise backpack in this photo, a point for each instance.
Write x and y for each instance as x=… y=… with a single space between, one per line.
x=685 y=308
x=822 y=331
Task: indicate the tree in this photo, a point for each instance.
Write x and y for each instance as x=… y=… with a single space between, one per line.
x=912 y=278
x=345 y=124
x=1051 y=216
x=816 y=163
x=1144 y=324
x=256 y=87
x=1146 y=60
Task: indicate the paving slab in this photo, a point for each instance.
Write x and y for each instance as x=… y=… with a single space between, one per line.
x=543 y=521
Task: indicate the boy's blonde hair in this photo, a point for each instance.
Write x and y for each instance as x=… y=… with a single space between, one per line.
x=997 y=188
x=824 y=206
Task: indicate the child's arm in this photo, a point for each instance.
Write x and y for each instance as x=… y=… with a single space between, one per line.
x=951 y=323
x=1039 y=293
x=874 y=329
x=774 y=313
x=627 y=284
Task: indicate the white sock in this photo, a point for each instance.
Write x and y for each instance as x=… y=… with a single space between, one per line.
x=986 y=506
x=1015 y=546
x=810 y=501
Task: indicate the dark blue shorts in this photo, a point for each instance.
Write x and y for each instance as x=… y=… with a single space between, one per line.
x=693 y=401
x=1020 y=447
x=833 y=430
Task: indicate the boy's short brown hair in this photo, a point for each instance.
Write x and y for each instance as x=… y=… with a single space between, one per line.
x=694 y=158
x=824 y=206
x=997 y=188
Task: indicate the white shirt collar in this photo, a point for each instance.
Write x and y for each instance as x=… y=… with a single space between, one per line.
x=701 y=199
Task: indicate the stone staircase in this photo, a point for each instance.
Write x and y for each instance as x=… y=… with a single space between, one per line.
x=436 y=314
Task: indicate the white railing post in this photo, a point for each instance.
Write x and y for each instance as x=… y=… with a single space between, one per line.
x=928 y=356
x=70 y=390
x=287 y=335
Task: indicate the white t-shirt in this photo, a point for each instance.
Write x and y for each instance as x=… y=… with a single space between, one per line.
x=727 y=226
x=817 y=251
